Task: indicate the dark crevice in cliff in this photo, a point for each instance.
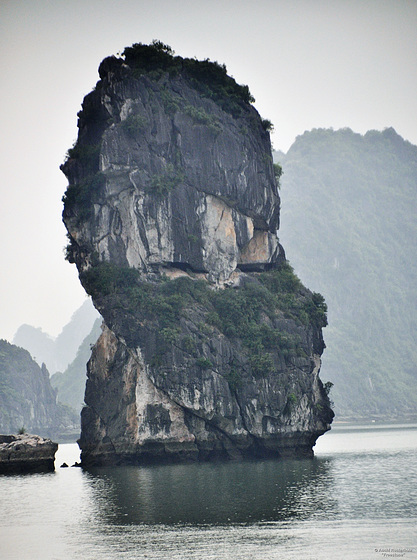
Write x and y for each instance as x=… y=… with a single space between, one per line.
x=185 y=266
x=256 y=267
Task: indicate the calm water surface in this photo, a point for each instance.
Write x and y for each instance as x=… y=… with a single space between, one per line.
x=357 y=499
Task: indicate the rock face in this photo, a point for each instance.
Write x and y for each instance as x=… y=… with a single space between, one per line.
x=210 y=346
x=26 y=453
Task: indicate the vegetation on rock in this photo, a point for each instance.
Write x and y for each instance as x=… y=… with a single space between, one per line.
x=247 y=314
x=209 y=77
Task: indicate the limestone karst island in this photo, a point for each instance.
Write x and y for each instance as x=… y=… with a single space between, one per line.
x=210 y=345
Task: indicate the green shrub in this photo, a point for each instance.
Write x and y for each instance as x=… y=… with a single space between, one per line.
x=200 y=116
x=209 y=78
x=277 y=170
x=267 y=125
x=170 y=334
x=86 y=154
x=245 y=314
x=134 y=125
x=80 y=197
x=238 y=315
x=105 y=278
x=261 y=364
x=327 y=387
x=290 y=404
x=233 y=377
x=203 y=363
x=155 y=56
x=171 y=104
x=188 y=343
x=278 y=173
x=316 y=309
x=281 y=280
x=164 y=183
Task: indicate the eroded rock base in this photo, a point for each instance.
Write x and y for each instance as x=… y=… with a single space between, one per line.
x=26 y=454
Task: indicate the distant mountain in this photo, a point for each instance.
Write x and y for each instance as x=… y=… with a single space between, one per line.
x=349 y=226
x=27 y=399
x=58 y=353
x=71 y=383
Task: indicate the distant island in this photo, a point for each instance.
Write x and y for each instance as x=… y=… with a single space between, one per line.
x=28 y=403
x=349 y=228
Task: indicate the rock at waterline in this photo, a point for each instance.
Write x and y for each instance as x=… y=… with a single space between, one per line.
x=26 y=453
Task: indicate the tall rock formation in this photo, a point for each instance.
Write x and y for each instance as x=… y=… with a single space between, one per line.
x=210 y=346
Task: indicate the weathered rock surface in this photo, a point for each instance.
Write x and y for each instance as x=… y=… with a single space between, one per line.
x=211 y=346
x=26 y=453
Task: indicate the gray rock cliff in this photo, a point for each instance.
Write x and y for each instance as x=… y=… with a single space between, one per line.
x=211 y=345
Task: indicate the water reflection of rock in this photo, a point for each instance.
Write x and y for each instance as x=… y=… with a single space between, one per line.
x=214 y=493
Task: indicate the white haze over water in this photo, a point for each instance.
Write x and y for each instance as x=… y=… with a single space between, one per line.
x=308 y=63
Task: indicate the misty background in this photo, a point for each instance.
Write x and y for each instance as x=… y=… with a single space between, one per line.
x=308 y=63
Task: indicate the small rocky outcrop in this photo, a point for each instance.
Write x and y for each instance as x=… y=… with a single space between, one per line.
x=211 y=345
x=26 y=453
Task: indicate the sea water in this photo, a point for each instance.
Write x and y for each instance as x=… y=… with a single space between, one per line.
x=357 y=499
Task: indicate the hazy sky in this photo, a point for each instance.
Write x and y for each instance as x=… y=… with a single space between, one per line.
x=308 y=63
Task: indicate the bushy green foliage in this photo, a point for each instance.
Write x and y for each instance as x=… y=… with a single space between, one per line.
x=202 y=117
x=233 y=377
x=238 y=314
x=290 y=404
x=105 y=278
x=170 y=334
x=281 y=280
x=80 y=196
x=155 y=56
x=165 y=182
x=278 y=173
x=188 y=344
x=267 y=125
x=162 y=301
x=327 y=387
x=171 y=103
x=134 y=125
x=291 y=297
x=86 y=154
x=246 y=314
x=210 y=78
x=203 y=363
